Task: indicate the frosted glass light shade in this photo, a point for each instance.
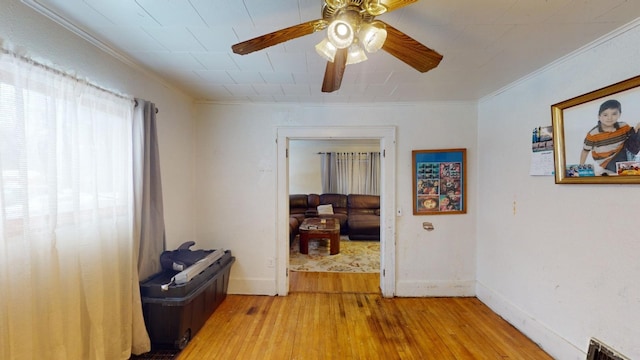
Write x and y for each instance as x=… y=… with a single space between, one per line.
x=355 y=54
x=326 y=49
x=372 y=36
x=340 y=33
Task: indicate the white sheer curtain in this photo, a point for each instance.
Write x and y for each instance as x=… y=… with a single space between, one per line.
x=351 y=172
x=68 y=267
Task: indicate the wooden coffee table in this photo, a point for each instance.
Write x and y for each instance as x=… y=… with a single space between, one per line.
x=317 y=228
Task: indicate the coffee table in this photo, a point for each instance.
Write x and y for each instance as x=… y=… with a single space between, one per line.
x=318 y=228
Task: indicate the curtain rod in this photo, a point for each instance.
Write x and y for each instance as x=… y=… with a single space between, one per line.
x=62 y=73
x=136 y=100
x=346 y=152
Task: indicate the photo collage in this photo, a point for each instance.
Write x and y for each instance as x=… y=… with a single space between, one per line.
x=439 y=186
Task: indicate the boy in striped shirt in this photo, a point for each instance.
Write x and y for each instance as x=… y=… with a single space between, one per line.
x=606 y=141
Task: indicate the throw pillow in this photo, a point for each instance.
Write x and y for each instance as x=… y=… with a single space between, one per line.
x=325 y=209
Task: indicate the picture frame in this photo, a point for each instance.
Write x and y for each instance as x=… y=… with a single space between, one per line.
x=439 y=181
x=573 y=119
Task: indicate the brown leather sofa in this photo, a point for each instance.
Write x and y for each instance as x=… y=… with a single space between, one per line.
x=359 y=215
x=363 y=217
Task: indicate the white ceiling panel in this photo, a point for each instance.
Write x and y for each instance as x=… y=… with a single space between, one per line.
x=292 y=62
x=220 y=13
x=215 y=77
x=273 y=13
x=277 y=77
x=296 y=89
x=175 y=38
x=169 y=61
x=130 y=38
x=172 y=13
x=119 y=12
x=215 y=61
x=215 y=38
x=257 y=61
x=241 y=89
x=80 y=10
x=246 y=77
x=268 y=89
x=486 y=45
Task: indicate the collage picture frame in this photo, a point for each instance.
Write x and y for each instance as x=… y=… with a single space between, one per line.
x=439 y=182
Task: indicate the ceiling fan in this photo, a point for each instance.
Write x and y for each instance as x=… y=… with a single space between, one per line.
x=351 y=26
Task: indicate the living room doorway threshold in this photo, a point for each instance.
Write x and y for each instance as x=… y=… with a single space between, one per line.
x=334 y=282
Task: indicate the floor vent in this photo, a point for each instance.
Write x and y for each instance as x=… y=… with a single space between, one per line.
x=600 y=351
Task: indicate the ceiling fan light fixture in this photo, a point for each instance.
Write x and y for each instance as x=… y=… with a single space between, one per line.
x=336 y=3
x=374 y=7
x=372 y=35
x=356 y=54
x=340 y=33
x=326 y=49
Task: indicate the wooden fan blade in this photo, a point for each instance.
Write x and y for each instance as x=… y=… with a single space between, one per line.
x=280 y=36
x=395 y=4
x=334 y=72
x=410 y=51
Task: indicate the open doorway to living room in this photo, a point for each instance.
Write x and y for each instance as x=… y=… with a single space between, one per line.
x=381 y=139
x=338 y=175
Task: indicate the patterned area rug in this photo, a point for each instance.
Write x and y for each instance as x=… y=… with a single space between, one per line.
x=355 y=256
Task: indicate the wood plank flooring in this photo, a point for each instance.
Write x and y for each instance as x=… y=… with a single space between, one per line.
x=328 y=316
x=334 y=282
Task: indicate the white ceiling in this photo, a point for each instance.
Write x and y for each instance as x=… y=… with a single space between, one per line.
x=486 y=44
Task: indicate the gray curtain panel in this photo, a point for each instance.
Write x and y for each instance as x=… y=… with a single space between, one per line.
x=150 y=206
x=350 y=172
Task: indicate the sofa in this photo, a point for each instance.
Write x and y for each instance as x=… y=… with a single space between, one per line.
x=358 y=214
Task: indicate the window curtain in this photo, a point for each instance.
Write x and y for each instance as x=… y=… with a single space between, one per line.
x=350 y=172
x=68 y=254
x=149 y=205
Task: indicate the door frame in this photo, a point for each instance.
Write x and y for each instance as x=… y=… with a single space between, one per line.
x=387 y=137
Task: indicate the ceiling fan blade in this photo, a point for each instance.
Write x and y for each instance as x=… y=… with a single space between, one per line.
x=395 y=4
x=280 y=36
x=410 y=51
x=334 y=72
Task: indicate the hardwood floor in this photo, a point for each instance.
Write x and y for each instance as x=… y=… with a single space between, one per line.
x=333 y=282
x=320 y=319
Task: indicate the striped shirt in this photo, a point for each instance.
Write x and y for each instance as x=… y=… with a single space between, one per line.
x=604 y=145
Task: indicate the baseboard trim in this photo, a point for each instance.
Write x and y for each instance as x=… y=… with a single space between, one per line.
x=417 y=288
x=252 y=287
x=551 y=342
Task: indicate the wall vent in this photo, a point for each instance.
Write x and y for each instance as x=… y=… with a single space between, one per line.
x=600 y=351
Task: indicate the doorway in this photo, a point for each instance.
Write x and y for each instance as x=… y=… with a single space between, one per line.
x=386 y=138
x=355 y=269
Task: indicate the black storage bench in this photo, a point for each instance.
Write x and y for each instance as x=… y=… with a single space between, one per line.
x=175 y=315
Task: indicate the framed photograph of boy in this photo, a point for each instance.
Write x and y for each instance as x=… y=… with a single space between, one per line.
x=439 y=182
x=596 y=136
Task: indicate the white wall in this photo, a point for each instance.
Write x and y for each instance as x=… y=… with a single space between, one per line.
x=560 y=262
x=305 y=163
x=46 y=41
x=236 y=183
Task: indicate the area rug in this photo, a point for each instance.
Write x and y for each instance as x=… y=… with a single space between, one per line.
x=356 y=256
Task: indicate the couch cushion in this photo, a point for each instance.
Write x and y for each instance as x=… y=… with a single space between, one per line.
x=364 y=227
x=313 y=200
x=363 y=204
x=298 y=201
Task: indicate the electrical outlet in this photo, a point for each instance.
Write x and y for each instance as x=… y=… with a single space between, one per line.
x=271 y=262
